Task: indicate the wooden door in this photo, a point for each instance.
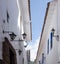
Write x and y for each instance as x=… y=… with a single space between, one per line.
x=9 y=54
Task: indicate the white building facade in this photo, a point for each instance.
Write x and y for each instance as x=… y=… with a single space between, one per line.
x=14 y=18
x=48 y=50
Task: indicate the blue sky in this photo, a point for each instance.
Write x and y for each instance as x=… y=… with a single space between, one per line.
x=38 y=9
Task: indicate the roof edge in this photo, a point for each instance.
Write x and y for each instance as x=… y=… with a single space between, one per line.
x=29 y=9
x=46 y=13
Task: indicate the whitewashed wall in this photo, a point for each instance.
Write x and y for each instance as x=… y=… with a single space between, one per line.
x=16 y=9
x=58 y=11
x=13 y=11
x=2 y=17
x=52 y=21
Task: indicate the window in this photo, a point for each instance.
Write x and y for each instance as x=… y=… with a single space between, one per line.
x=51 y=40
x=48 y=46
x=42 y=58
x=7 y=16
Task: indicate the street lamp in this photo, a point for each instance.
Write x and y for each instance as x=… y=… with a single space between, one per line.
x=12 y=34
x=24 y=35
x=19 y=52
x=26 y=44
x=53 y=31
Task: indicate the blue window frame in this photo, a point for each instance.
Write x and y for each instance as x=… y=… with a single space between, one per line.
x=51 y=40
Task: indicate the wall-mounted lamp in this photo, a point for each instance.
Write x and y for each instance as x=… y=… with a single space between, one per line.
x=26 y=45
x=24 y=35
x=57 y=36
x=19 y=52
x=11 y=34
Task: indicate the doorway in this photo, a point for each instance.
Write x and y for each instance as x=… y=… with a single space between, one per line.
x=9 y=54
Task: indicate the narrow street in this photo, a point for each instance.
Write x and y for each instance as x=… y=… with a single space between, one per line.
x=29 y=31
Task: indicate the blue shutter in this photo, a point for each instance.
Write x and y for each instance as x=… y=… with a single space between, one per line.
x=51 y=39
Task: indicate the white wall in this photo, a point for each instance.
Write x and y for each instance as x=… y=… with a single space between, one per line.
x=26 y=19
x=52 y=21
x=12 y=8
x=2 y=17
x=14 y=11
x=58 y=11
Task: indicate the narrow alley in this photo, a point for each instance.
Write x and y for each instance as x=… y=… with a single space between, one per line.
x=29 y=32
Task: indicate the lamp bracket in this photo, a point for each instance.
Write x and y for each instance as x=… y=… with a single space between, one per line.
x=57 y=37
x=17 y=40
